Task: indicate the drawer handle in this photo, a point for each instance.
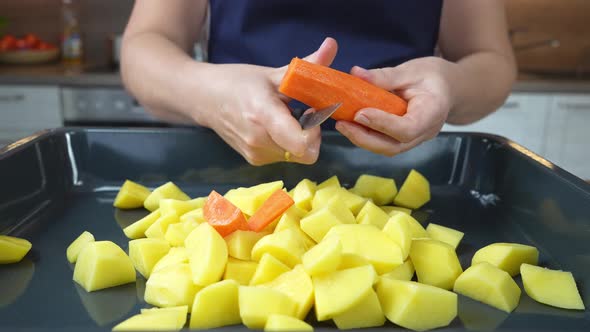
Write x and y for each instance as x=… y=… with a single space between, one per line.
x=12 y=98
x=575 y=106
x=511 y=105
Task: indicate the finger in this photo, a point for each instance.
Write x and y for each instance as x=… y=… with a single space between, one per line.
x=284 y=129
x=390 y=78
x=373 y=141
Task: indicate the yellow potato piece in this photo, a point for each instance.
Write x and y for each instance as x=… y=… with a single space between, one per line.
x=103 y=264
x=291 y=220
x=399 y=230
x=258 y=303
x=436 y=263
x=507 y=256
x=250 y=199
x=276 y=322
x=402 y=272
x=181 y=207
x=158 y=229
x=367 y=313
x=13 y=249
x=323 y=258
x=303 y=194
x=195 y=216
x=414 y=192
x=240 y=243
x=488 y=284
x=297 y=285
x=176 y=256
x=239 y=271
x=323 y=196
x=348 y=261
x=444 y=234
x=319 y=221
x=268 y=269
x=207 y=253
x=416 y=306
x=171 y=286
x=332 y=181
x=391 y=210
x=138 y=228
x=216 y=306
x=551 y=287
x=158 y=320
x=371 y=243
x=167 y=190
x=381 y=190
x=177 y=233
x=285 y=245
x=145 y=253
x=340 y=291
x=371 y=214
x=131 y=195
x=79 y=243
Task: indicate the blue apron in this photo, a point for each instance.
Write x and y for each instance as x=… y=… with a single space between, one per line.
x=370 y=33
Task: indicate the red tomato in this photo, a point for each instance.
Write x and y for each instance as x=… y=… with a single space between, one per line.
x=8 y=38
x=46 y=46
x=7 y=45
x=32 y=41
x=21 y=44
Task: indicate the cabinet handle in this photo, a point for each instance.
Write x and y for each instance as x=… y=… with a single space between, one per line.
x=12 y=98
x=511 y=105
x=575 y=106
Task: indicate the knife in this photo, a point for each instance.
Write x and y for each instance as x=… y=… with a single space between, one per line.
x=317 y=117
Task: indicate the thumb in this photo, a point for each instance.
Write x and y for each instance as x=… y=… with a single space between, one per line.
x=390 y=78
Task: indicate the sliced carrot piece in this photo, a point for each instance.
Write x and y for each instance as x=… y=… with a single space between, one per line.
x=271 y=209
x=320 y=86
x=223 y=215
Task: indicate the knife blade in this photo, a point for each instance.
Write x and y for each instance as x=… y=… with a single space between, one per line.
x=317 y=117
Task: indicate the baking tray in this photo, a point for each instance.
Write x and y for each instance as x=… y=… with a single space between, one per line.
x=58 y=183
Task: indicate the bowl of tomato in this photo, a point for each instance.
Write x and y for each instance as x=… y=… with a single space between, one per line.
x=30 y=49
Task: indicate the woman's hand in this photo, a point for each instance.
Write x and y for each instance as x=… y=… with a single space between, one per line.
x=426 y=84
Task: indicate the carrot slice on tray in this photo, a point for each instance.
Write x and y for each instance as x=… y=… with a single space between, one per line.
x=271 y=209
x=222 y=215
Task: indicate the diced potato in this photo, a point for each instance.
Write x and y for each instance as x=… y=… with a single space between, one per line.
x=258 y=303
x=551 y=287
x=323 y=258
x=414 y=192
x=391 y=210
x=181 y=207
x=332 y=181
x=145 y=253
x=268 y=269
x=131 y=195
x=488 y=284
x=402 y=272
x=418 y=231
x=13 y=249
x=250 y=199
x=285 y=245
x=399 y=230
x=167 y=190
x=507 y=256
x=444 y=234
x=371 y=243
x=279 y=323
x=367 y=313
x=176 y=256
x=171 y=286
x=216 y=306
x=138 y=228
x=340 y=291
x=240 y=243
x=207 y=253
x=348 y=261
x=291 y=220
x=436 y=263
x=181 y=310
x=177 y=233
x=239 y=271
x=158 y=229
x=76 y=247
x=194 y=216
x=353 y=202
x=371 y=214
x=297 y=285
x=103 y=264
x=381 y=190
x=161 y=320
x=416 y=306
x=319 y=221
x=303 y=194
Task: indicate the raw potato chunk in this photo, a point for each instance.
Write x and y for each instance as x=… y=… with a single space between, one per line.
x=488 y=284
x=322 y=196
x=171 y=286
x=318 y=222
x=167 y=190
x=207 y=255
x=103 y=264
x=551 y=287
x=399 y=230
x=391 y=210
x=13 y=249
x=402 y=272
x=216 y=306
x=176 y=255
x=340 y=291
x=444 y=234
x=348 y=261
x=194 y=215
x=303 y=194
x=177 y=233
x=158 y=229
x=160 y=320
x=436 y=263
x=268 y=269
x=323 y=258
x=279 y=323
x=131 y=195
x=239 y=271
x=138 y=228
x=416 y=306
x=414 y=192
x=371 y=214
x=291 y=220
x=507 y=256
x=381 y=190
x=250 y=199
x=240 y=243
x=297 y=285
x=76 y=247
x=181 y=207
x=145 y=253
x=366 y=313
x=258 y=303
x=330 y=182
x=418 y=231
x=285 y=245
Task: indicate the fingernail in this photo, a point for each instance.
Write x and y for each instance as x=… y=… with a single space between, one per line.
x=361 y=70
x=361 y=118
x=324 y=42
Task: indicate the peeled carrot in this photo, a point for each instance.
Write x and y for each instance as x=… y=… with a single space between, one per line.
x=319 y=87
x=223 y=215
x=271 y=209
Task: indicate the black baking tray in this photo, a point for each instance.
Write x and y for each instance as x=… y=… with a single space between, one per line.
x=58 y=183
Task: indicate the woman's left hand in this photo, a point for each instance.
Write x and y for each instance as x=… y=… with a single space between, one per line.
x=426 y=83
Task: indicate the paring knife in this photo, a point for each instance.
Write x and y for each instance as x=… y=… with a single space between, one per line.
x=315 y=118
